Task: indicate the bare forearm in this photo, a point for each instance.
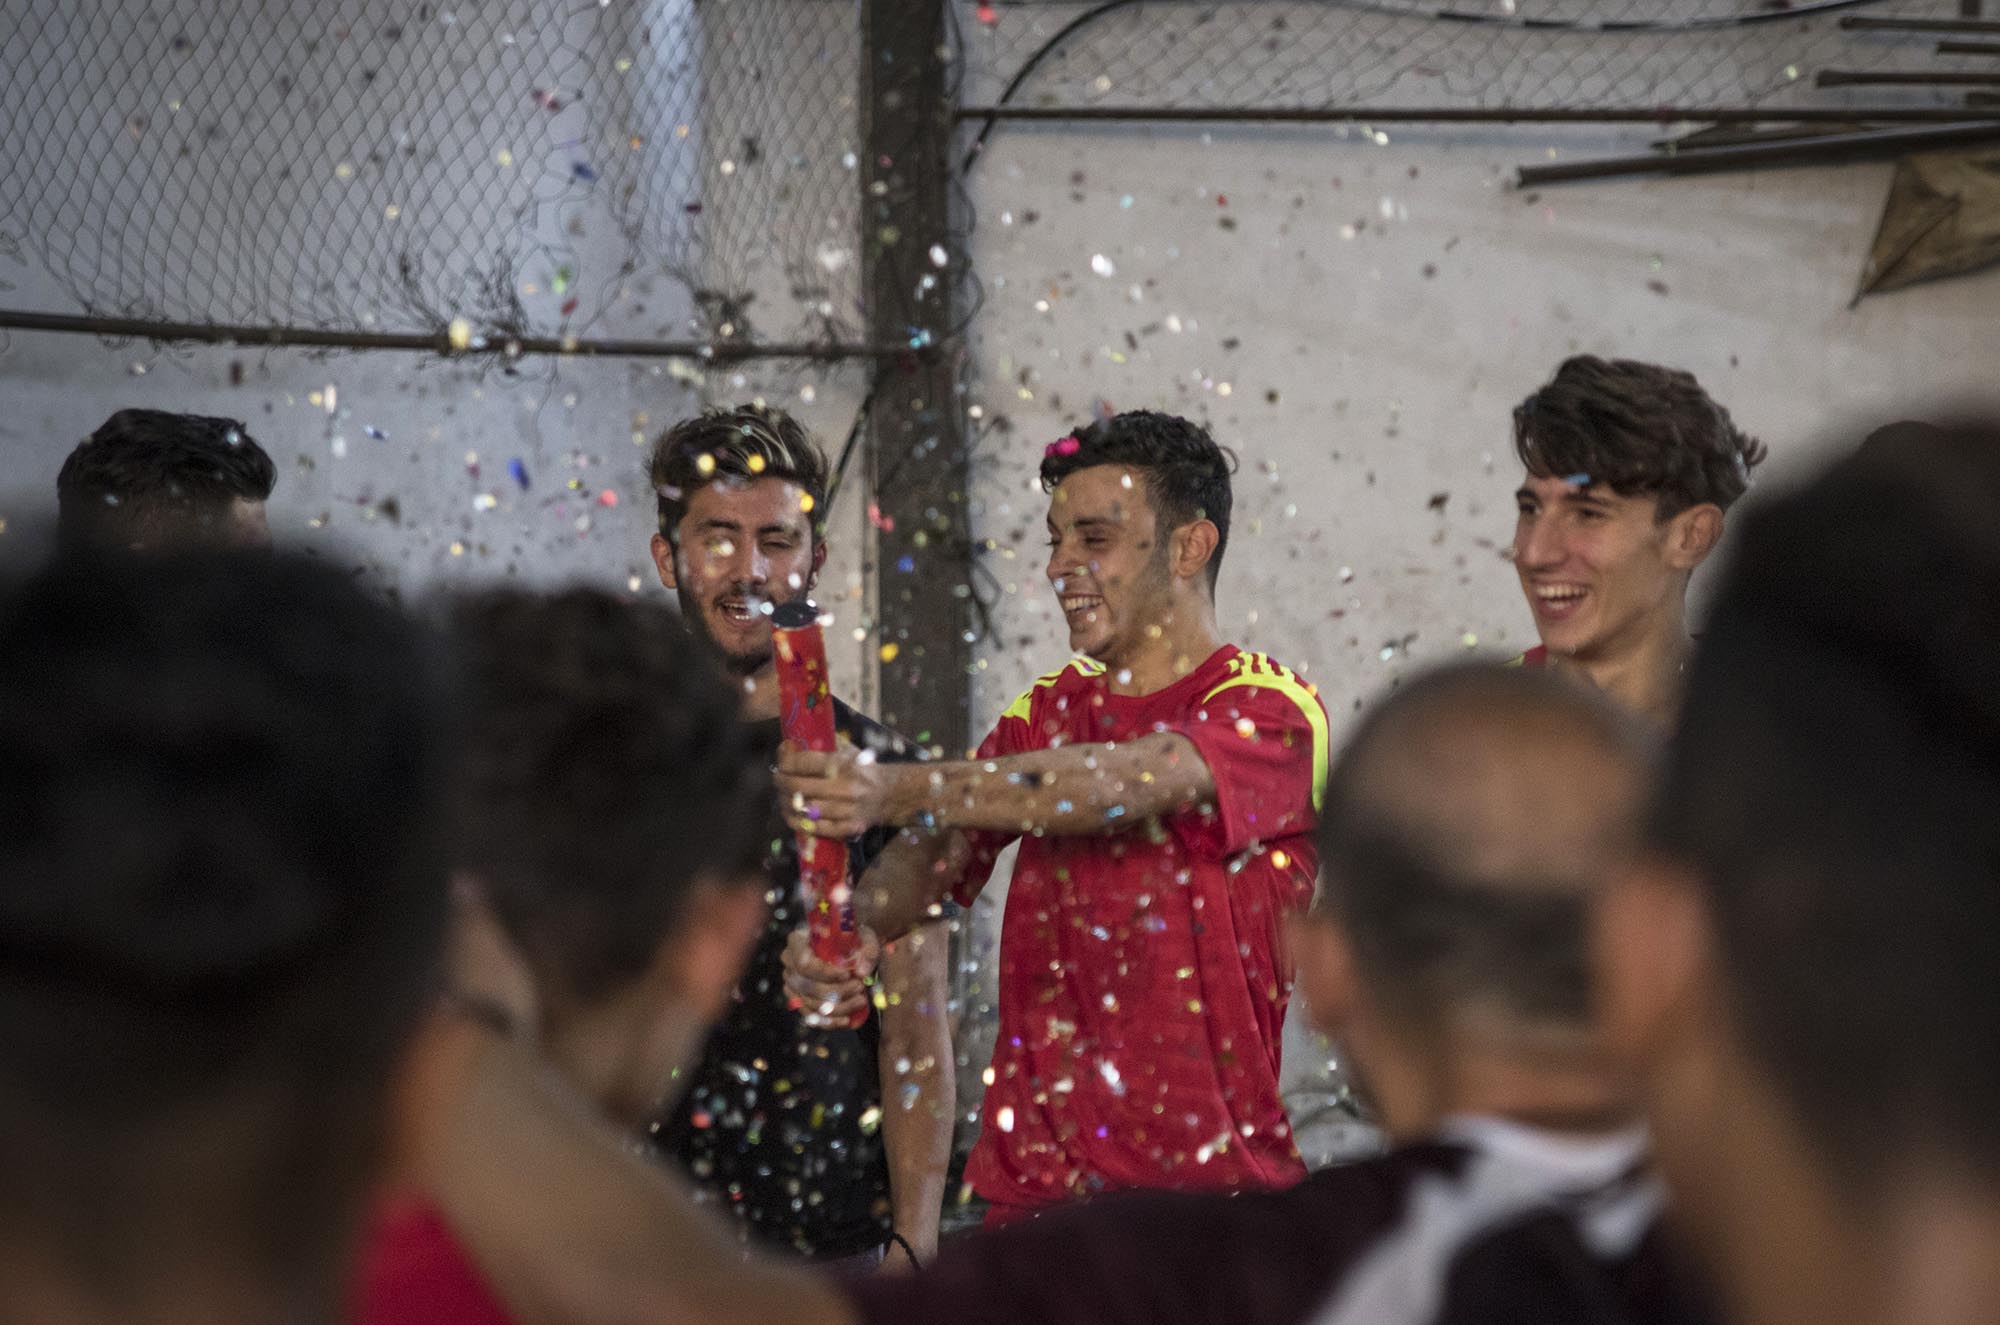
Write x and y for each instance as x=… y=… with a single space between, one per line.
x=919 y=1088
x=908 y=882
x=653 y=1257
x=1073 y=790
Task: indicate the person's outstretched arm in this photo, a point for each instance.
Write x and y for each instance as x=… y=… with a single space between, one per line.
x=1068 y=791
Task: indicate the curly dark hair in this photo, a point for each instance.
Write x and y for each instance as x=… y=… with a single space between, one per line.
x=1187 y=474
x=1638 y=429
x=743 y=443
x=146 y=473
x=604 y=771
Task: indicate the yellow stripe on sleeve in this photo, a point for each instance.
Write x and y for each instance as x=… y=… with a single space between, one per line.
x=1285 y=682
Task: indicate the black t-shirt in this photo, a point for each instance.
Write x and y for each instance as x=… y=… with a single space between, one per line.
x=1491 y=1223
x=780 y=1123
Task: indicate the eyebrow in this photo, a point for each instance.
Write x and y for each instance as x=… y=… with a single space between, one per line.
x=1590 y=496
x=717 y=525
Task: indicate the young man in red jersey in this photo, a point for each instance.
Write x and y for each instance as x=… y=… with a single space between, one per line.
x=1630 y=468
x=1164 y=787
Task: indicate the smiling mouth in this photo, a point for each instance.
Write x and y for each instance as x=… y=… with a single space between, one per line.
x=737 y=609
x=1076 y=605
x=1558 y=600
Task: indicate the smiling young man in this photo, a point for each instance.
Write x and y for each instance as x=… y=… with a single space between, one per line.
x=779 y=1119
x=1630 y=468
x=1164 y=787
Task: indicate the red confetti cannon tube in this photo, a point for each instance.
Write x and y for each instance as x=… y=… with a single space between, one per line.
x=805 y=707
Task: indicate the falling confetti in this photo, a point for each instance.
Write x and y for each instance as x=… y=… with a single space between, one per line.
x=518 y=471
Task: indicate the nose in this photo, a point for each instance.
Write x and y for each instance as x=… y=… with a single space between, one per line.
x=1538 y=545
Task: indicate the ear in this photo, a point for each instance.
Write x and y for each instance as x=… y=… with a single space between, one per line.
x=1324 y=972
x=1692 y=535
x=1653 y=957
x=702 y=962
x=663 y=561
x=819 y=560
x=1194 y=545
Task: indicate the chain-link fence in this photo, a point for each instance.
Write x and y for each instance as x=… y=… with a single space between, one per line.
x=1604 y=56
x=665 y=169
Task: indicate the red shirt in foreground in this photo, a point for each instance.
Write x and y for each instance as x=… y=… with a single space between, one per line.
x=1143 y=980
x=414 y=1272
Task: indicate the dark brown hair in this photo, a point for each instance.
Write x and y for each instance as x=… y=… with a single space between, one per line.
x=145 y=472
x=1187 y=474
x=603 y=772
x=1637 y=429
x=744 y=443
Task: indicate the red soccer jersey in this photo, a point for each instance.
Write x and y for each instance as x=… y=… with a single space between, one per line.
x=414 y=1272
x=1143 y=979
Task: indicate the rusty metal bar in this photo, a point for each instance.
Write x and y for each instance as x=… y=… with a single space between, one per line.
x=1892 y=23
x=326 y=338
x=1455 y=114
x=1808 y=152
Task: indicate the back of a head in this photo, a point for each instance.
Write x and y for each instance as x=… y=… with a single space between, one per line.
x=151 y=478
x=221 y=912
x=604 y=772
x=1187 y=473
x=1638 y=429
x=1469 y=822
x=1836 y=787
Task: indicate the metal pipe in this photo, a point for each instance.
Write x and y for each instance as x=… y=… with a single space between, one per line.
x=435 y=342
x=1898 y=78
x=1815 y=151
x=1713 y=136
x=1458 y=114
x=1968 y=48
x=1893 y=24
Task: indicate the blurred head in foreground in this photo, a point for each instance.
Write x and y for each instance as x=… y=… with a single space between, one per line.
x=1805 y=963
x=1471 y=824
x=221 y=913
x=612 y=810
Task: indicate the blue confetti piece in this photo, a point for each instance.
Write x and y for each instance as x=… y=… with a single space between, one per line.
x=583 y=172
x=907 y=564
x=518 y=472
x=376 y=433
x=1578 y=480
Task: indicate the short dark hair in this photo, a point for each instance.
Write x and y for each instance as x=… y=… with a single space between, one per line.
x=222 y=904
x=1187 y=474
x=1638 y=429
x=744 y=443
x=146 y=472
x=1433 y=932
x=1835 y=785
x=604 y=771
